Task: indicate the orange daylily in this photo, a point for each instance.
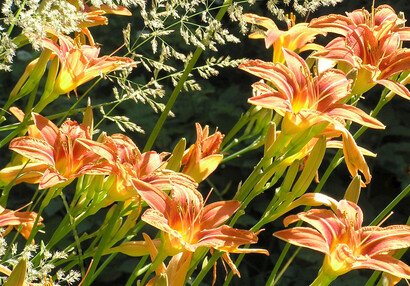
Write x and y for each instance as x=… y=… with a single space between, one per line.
x=382 y=21
x=187 y=224
x=375 y=60
x=347 y=245
x=298 y=37
x=32 y=171
x=95 y=14
x=202 y=158
x=128 y=164
x=59 y=156
x=80 y=63
x=17 y=219
x=305 y=101
x=371 y=45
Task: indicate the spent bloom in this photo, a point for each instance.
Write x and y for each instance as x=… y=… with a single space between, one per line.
x=202 y=158
x=347 y=245
x=21 y=221
x=305 y=101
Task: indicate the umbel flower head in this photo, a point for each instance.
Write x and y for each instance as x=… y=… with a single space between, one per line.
x=305 y=101
x=347 y=245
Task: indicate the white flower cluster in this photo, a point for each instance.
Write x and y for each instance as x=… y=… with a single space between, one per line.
x=43 y=269
x=307 y=6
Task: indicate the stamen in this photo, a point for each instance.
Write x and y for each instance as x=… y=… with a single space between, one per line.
x=378 y=225
x=207 y=197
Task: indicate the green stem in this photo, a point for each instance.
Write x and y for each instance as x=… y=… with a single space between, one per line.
x=278 y=264
x=75 y=233
x=286 y=265
x=256 y=144
x=105 y=238
x=322 y=279
x=138 y=270
x=158 y=126
x=235 y=129
x=206 y=269
x=393 y=203
x=50 y=194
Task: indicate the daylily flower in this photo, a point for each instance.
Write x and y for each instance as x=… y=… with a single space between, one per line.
x=371 y=45
x=202 y=158
x=80 y=63
x=347 y=245
x=58 y=156
x=381 y=21
x=298 y=38
x=376 y=60
x=187 y=224
x=16 y=219
x=132 y=170
x=305 y=101
x=95 y=14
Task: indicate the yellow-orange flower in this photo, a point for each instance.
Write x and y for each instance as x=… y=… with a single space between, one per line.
x=305 y=101
x=132 y=170
x=371 y=45
x=80 y=63
x=298 y=37
x=58 y=157
x=348 y=245
x=187 y=224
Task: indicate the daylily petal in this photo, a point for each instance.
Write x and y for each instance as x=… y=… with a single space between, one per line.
x=384 y=263
x=349 y=246
x=304 y=237
x=217 y=213
x=271 y=100
x=49 y=131
x=204 y=168
x=357 y=115
x=395 y=87
x=272 y=73
x=34 y=149
x=155 y=198
x=51 y=178
x=324 y=221
x=378 y=240
x=226 y=237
